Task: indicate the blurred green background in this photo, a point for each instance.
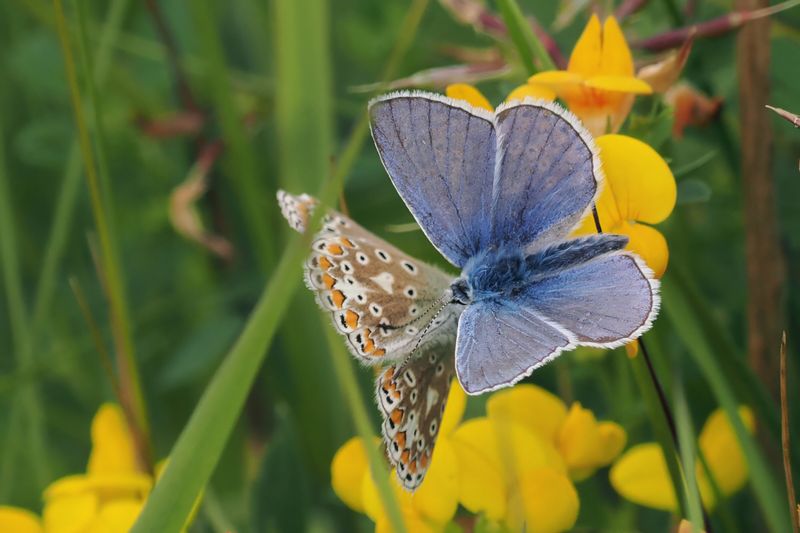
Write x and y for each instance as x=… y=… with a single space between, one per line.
x=289 y=72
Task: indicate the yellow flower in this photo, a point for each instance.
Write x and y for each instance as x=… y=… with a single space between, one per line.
x=110 y=495
x=583 y=443
x=639 y=187
x=641 y=475
x=599 y=84
x=471 y=95
x=19 y=520
x=106 y=499
x=434 y=503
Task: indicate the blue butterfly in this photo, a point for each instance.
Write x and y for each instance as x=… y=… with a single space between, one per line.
x=497 y=194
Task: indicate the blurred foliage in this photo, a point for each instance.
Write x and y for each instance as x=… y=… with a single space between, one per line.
x=187 y=306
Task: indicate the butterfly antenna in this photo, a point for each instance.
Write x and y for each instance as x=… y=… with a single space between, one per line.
x=391 y=327
x=444 y=301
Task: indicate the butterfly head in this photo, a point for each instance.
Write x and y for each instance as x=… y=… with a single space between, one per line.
x=461 y=292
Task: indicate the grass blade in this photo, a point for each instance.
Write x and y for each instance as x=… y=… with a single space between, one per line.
x=686 y=443
x=529 y=46
x=132 y=397
x=686 y=324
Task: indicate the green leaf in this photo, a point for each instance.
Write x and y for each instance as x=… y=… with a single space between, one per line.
x=281 y=497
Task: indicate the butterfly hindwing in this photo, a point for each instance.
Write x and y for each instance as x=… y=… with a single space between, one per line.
x=379 y=298
x=412 y=404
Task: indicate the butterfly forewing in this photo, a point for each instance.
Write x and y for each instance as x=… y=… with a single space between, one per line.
x=412 y=402
x=379 y=298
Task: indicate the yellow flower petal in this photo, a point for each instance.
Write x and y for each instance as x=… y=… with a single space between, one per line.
x=412 y=522
x=530 y=406
x=104 y=487
x=454 y=409
x=468 y=93
x=612 y=441
x=586 y=445
x=492 y=454
x=546 y=502
x=437 y=498
x=531 y=90
x=641 y=476
x=722 y=450
x=482 y=488
x=616 y=56
x=373 y=505
x=19 y=520
x=638 y=180
x=70 y=514
x=112 y=445
x=586 y=57
x=632 y=348
x=620 y=84
x=648 y=243
x=348 y=468
x=117 y=516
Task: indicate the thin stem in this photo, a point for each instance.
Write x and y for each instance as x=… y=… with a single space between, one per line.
x=120 y=322
x=785 y=441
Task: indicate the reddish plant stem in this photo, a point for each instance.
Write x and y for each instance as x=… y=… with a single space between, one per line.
x=714 y=27
x=629 y=7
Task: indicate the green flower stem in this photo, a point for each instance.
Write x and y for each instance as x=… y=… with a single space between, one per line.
x=529 y=46
x=112 y=270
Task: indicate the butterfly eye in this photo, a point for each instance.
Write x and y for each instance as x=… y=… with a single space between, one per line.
x=375 y=309
x=413 y=310
x=409 y=267
x=432 y=358
x=410 y=379
x=413 y=400
x=433 y=428
x=346 y=266
x=383 y=256
x=439 y=369
x=411 y=292
x=362 y=258
x=411 y=330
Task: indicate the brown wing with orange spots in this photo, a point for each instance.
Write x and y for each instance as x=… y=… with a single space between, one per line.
x=412 y=404
x=379 y=298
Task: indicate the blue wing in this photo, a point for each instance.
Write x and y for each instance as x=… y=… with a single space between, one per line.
x=440 y=155
x=547 y=173
x=604 y=302
x=499 y=343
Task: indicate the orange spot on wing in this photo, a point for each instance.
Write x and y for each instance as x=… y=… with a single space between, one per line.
x=369 y=347
x=325 y=263
x=424 y=460
x=328 y=280
x=413 y=467
x=335 y=249
x=379 y=352
x=404 y=457
x=396 y=416
x=400 y=439
x=338 y=298
x=347 y=242
x=351 y=319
